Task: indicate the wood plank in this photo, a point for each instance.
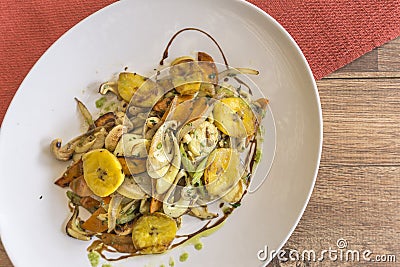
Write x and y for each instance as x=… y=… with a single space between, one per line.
x=358 y=204
x=361 y=121
x=381 y=62
x=4 y=260
x=364 y=75
x=389 y=57
x=366 y=63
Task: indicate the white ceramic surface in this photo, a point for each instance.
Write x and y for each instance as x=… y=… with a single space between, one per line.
x=134 y=34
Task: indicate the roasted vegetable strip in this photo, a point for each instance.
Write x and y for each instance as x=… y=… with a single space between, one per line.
x=74 y=171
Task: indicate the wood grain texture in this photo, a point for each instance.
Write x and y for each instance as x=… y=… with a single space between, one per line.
x=357 y=193
x=382 y=62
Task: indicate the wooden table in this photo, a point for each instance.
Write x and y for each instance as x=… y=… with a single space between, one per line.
x=357 y=193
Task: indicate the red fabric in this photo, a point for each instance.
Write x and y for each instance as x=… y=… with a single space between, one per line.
x=331 y=33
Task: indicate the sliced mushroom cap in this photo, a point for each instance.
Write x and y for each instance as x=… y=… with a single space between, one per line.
x=85 y=144
x=74 y=229
x=65 y=152
x=202 y=213
x=100 y=138
x=113 y=137
x=107 y=119
x=61 y=153
x=132 y=145
x=122 y=119
x=109 y=87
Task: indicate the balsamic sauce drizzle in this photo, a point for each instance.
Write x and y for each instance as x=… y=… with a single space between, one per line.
x=165 y=54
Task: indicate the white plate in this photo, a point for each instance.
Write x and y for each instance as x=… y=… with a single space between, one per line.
x=134 y=33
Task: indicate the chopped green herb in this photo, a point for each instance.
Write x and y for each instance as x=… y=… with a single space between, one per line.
x=246 y=178
x=106 y=265
x=235 y=205
x=159 y=146
x=198 y=246
x=258 y=156
x=100 y=102
x=183 y=257
x=212 y=76
x=94 y=258
x=227 y=210
x=171 y=262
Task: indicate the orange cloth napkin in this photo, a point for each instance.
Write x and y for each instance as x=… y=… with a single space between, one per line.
x=331 y=33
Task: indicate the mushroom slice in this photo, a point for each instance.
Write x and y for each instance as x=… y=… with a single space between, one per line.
x=65 y=152
x=132 y=145
x=107 y=119
x=202 y=213
x=74 y=229
x=150 y=133
x=113 y=137
x=85 y=144
x=122 y=119
x=62 y=153
x=100 y=138
x=109 y=87
x=124 y=230
x=144 y=207
x=77 y=156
